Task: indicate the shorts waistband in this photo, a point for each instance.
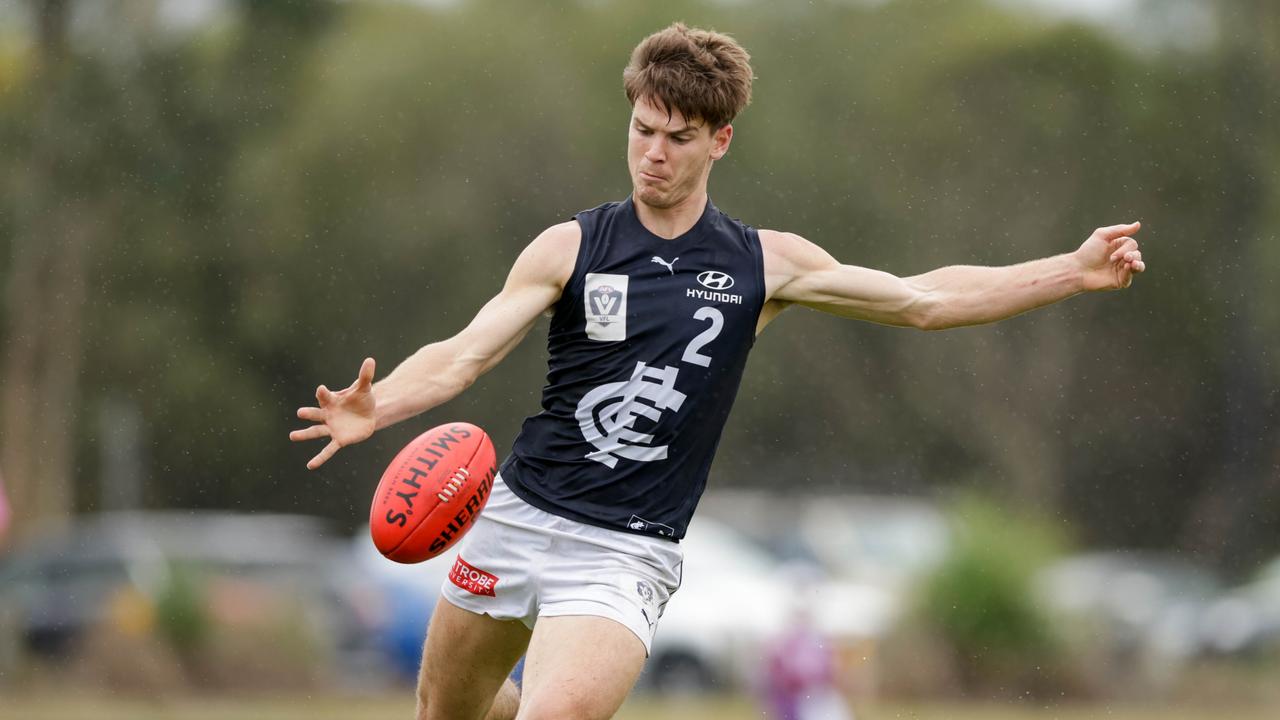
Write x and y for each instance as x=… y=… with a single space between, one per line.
x=507 y=508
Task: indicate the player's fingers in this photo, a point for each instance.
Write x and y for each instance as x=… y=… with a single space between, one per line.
x=1137 y=266
x=311 y=413
x=310 y=433
x=1123 y=276
x=365 y=378
x=1125 y=245
x=323 y=456
x=1114 y=231
x=324 y=395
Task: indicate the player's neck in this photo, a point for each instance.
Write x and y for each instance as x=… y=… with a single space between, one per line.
x=674 y=221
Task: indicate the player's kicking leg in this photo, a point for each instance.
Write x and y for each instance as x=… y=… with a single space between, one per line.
x=465 y=664
x=579 y=668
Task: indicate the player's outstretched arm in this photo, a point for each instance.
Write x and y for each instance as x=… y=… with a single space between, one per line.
x=797 y=271
x=440 y=371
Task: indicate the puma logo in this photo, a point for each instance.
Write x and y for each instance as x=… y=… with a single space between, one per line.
x=668 y=265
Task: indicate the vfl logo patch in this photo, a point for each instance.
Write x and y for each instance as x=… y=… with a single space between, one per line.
x=476 y=582
x=715 y=280
x=604 y=300
x=605 y=306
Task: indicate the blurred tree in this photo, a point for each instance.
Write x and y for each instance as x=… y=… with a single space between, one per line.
x=52 y=229
x=252 y=205
x=1240 y=500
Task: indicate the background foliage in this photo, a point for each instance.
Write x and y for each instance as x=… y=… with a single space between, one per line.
x=202 y=220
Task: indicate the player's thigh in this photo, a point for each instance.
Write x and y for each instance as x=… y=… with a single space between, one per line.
x=465 y=660
x=579 y=667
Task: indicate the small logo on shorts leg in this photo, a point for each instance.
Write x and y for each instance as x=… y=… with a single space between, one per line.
x=645 y=591
x=474 y=581
x=652 y=624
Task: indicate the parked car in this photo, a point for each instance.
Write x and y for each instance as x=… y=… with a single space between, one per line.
x=60 y=585
x=1144 y=606
x=889 y=542
x=1245 y=621
x=885 y=541
x=735 y=597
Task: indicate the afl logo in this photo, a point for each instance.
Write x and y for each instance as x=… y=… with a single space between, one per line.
x=715 y=280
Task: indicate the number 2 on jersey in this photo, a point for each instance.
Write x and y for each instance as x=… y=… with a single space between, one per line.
x=691 y=354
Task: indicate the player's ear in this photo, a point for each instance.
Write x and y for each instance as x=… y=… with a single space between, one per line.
x=720 y=140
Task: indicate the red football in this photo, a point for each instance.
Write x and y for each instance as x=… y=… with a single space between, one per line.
x=432 y=492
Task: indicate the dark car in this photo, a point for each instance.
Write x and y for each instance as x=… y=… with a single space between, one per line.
x=58 y=586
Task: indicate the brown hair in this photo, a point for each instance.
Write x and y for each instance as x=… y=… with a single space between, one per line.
x=702 y=73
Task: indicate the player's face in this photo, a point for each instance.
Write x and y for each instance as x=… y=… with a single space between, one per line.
x=670 y=157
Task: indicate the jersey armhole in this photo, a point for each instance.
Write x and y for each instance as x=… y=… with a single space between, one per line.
x=573 y=287
x=757 y=252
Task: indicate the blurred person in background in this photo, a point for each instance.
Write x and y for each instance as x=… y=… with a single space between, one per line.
x=4 y=514
x=800 y=678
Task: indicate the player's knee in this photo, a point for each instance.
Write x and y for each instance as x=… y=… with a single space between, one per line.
x=507 y=703
x=423 y=705
x=428 y=710
x=504 y=706
x=562 y=708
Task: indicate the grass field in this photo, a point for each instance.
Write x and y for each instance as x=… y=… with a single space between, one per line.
x=639 y=708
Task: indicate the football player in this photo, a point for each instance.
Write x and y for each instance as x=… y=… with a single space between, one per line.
x=655 y=302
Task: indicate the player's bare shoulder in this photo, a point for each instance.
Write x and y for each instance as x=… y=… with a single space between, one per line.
x=551 y=257
x=778 y=249
x=787 y=256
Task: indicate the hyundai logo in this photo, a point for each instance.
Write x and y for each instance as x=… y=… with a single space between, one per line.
x=715 y=280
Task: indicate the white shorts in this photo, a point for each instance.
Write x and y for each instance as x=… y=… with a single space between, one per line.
x=521 y=563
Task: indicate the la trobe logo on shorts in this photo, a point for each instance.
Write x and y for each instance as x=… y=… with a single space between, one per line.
x=473 y=580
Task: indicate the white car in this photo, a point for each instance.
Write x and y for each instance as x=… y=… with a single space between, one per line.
x=1145 y=607
x=735 y=598
x=1245 y=621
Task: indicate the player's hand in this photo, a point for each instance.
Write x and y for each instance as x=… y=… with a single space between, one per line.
x=345 y=417
x=1110 y=257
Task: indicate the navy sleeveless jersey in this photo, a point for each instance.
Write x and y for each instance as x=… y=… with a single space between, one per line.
x=647 y=347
